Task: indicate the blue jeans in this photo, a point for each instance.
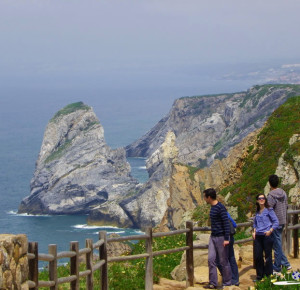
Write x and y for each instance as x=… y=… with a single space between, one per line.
x=232 y=262
x=216 y=248
x=279 y=257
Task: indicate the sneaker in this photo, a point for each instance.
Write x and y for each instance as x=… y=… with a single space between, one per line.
x=289 y=268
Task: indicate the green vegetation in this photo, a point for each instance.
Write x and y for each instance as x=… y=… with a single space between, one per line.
x=228 y=95
x=267 y=282
x=262 y=161
x=70 y=109
x=64 y=271
x=130 y=275
x=192 y=170
x=59 y=152
x=292 y=151
x=201 y=214
x=90 y=125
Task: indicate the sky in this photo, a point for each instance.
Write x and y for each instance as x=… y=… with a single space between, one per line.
x=106 y=40
x=147 y=52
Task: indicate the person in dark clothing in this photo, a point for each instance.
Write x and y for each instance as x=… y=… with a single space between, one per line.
x=218 y=242
x=231 y=257
x=265 y=222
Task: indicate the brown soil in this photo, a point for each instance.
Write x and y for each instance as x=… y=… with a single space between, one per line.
x=247 y=275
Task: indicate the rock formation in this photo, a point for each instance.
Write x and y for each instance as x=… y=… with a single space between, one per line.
x=206 y=127
x=147 y=207
x=289 y=172
x=186 y=188
x=76 y=170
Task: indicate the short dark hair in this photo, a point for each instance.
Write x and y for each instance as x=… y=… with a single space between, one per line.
x=257 y=204
x=273 y=180
x=210 y=192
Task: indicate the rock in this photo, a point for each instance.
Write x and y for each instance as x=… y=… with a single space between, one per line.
x=115 y=249
x=76 y=171
x=206 y=127
x=288 y=169
x=200 y=259
x=148 y=207
x=166 y=284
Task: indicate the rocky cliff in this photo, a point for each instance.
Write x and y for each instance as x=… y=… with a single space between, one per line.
x=206 y=127
x=147 y=206
x=76 y=170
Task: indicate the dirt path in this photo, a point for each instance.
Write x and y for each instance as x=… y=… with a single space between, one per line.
x=247 y=275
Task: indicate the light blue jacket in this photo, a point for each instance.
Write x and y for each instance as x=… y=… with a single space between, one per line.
x=264 y=221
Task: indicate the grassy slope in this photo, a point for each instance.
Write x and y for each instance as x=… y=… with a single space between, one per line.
x=262 y=162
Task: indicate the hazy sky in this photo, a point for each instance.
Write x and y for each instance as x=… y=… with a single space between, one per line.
x=115 y=40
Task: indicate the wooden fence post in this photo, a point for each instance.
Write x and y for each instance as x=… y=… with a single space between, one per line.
x=103 y=256
x=74 y=261
x=296 y=238
x=52 y=249
x=34 y=264
x=189 y=255
x=149 y=261
x=89 y=264
x=288 y=235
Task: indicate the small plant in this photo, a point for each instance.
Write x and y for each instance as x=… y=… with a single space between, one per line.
x=285 y=276
x=201 y=214
x=192 y=170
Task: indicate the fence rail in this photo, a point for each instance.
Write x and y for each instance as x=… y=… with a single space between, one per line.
x=102 y=263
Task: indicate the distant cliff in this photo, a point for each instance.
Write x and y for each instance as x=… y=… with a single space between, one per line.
x=76 y=170
x=206 y=127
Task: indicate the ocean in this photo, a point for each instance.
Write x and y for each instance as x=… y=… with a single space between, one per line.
x=125 y=115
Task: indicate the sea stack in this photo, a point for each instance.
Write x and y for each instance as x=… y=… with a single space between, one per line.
x=76 y=170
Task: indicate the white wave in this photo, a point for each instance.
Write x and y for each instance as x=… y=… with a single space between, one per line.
x=12 y=212
x=142 y=167
x=108 y=232
x=87 y=227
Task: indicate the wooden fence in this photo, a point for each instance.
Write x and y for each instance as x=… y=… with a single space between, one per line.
x=52 y=257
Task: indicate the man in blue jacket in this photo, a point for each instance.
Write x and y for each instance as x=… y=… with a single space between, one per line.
x=218 y=242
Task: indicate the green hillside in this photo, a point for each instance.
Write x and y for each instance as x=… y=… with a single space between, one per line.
x=262 y=162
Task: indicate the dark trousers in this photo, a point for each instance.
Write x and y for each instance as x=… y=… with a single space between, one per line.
x=216 y=248
x=232 y=262
x=263 y=256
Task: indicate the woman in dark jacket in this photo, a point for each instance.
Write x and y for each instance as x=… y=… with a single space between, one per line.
x=265 y=222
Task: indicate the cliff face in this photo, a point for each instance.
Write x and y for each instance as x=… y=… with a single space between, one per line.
x=207 y=127
x=288 y=170
x=147 y=206
x=76 y=170
x=186 y=186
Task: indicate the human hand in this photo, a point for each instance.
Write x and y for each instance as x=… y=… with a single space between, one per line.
x=253 y=235
x=268 y=233
x=226 y=243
